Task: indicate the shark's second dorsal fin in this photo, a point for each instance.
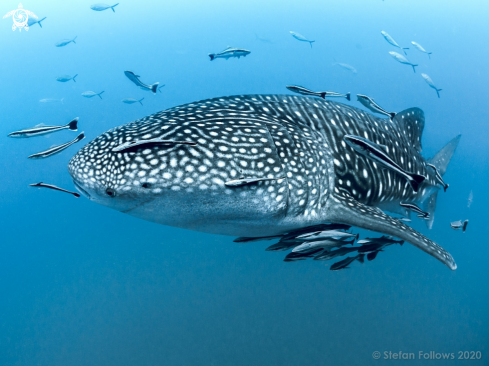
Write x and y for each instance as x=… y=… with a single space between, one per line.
x=411 y=124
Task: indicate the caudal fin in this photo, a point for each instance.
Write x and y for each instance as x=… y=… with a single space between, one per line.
x=414 y=68
x=113 y=6
x=100 y=93
x=429 y=53
x=392 y=114
x=154 y=87
x=323 y=95
x=438 y=92
x=416 y=180
x=140 y=100
x=361 y=258
x=73 y=40
x=310 y=43
x=74 y=78
x=348 y=96
x=212 y=56
x=39 y=22
x=73 y=125
x=405 y=48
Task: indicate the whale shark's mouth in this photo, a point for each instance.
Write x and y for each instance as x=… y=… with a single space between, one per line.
x=80 y=189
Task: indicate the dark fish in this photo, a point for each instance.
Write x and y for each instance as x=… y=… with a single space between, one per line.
x=327 y=234
x=292 y=257
x=280 y=247
x=44 y=130
x=243 y=181
x=402 y=60
x=439 y=178
x=375 y=152
x=415 y=208
x=372 y=255
x=135 y=79
x=374 y=107
x=313 y=229
x=324 y=94
x=50 y=186
x=57 y=149
x=327 y=255
x=243 y=239
x=346 y=262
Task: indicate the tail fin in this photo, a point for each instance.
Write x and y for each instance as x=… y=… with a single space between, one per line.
x=212 y=56
x=73 y=125
x=100 y=93
x=361 y=258
x=323 y=95
x=74 y=78
x=310 y=43
x=348 y=96
x=405 y=48
x=39 y=21
x=429 y=53
x=392 y=114
x=438 y=92
x=113 y=6
x=80 y=137
x=414 y=68
x=73 y=40
x=372 y=255
x=416 y=180
x=464 y=227
x=443 y=157
x=154 y=87
x=140 y=100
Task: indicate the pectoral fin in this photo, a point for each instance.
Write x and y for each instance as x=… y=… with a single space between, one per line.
x=346 y=210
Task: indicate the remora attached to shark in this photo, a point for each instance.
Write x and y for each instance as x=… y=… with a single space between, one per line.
x=291 y=150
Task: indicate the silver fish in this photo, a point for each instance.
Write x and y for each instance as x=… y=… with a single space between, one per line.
x=346 y=262
x=31 y=21
x=346 y=67
x=301 y=38
x=439 y=178
x=135 y=79
x=301 y=90
x=402 y=59
x=420 y=48
x=457 y=225
x=389 y=39
x=415 y=208
x=65 y=42
x=44 y=130
x=229 y=52
x=431 y=84
x=326 y=244
x=327 y=234
x=91 y=94
x=51 y=100
x=132 y=101
x=57 y=149
x=388 y=240
x=373 y=106
x=50 y=186
x=470 y=199
x=380 y=154
x=102 y=7
x=290 y=136
x=65 y=78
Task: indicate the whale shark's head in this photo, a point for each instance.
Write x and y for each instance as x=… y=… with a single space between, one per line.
x=192 y=167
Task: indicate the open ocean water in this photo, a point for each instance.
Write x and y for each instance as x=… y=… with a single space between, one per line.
x=81 y=284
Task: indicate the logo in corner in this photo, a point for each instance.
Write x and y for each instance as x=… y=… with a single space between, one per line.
x=20 y=17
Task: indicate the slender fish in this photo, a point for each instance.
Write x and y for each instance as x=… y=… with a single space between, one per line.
x=373 y=106
x=346 y=262
x=415 y=208
x=389 y=39
x=229 y=52
x=65 y=42
x=346 y=67
x=301 y=38
x=135 y=79
x=326 y=244
x=439 y=178
x=50 y=186
x=132 y=101
x=375 y=152
x=65 y=78
x=402 y=59
x=102 y=7
x=56 y=149
x=301 y=90
x=420 y=48
x=44 y=130
x=91 y=94
x=431 y=83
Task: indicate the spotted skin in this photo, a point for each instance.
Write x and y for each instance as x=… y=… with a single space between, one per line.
x=294 y=143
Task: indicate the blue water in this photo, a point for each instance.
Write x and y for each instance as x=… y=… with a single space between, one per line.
x=82 y=284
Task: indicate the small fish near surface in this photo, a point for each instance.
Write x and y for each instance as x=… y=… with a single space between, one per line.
x=51 y=100
x=57 y=149
x=389 y=39
x=135 y=79
x=230 y=52
x=132 y=101
x=31 y=21
x=421 y=49
x=102 y=7
x=50 y=186
x=301 y=38
x=345 y=67
x=373 y=106
x=65 y=42
x=346 y=262
x=439 y=178
x=65 y=78
x=375 y=152
x=44 y=130
x=91 y=94
x=457 y=225
x=431 y=84
x=304 y=91
x=415 y=208
x=402 y=59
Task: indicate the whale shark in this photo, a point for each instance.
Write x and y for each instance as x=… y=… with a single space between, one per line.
x=288 y=154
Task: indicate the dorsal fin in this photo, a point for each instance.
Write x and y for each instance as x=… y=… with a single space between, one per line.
x=411 y=122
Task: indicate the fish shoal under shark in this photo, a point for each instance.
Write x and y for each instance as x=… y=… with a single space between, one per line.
x=257 y=138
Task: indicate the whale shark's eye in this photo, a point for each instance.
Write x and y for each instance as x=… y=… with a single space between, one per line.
x=146 y=185
x=110 y=192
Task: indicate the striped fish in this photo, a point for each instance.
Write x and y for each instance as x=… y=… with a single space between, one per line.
x=44 y=130
x=57 y=149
